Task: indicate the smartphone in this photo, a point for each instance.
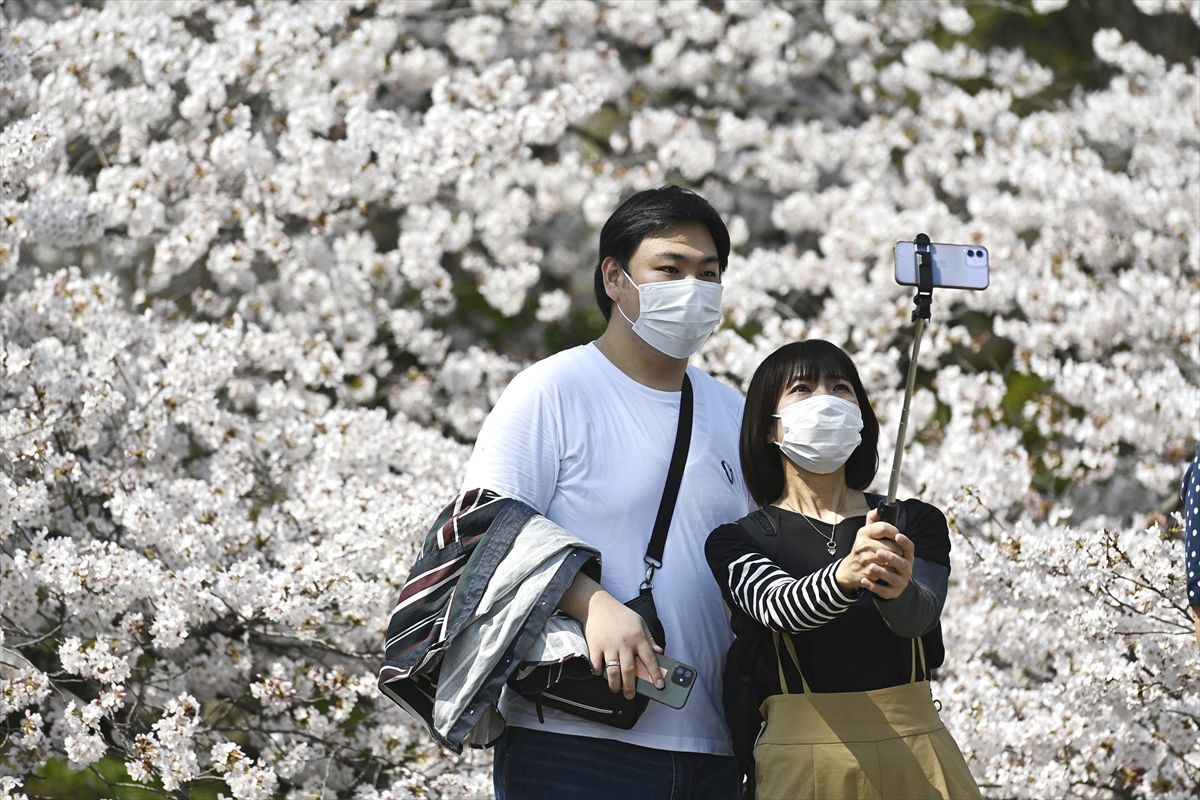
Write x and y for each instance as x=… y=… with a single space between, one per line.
x=955 y=266
x=679 y=679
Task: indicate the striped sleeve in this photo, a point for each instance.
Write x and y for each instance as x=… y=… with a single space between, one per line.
x=755 y=584
x=781 y=602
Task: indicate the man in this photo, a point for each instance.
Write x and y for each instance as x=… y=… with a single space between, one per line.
x=585 y=437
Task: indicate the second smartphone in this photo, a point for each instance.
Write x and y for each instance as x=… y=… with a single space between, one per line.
x=679 y=680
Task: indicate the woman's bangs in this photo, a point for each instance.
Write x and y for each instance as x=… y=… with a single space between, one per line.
x=816 y=362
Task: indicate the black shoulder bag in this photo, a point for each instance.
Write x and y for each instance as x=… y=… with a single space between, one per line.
x=588 y=695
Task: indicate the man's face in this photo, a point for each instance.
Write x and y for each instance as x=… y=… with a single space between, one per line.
x=685 y=250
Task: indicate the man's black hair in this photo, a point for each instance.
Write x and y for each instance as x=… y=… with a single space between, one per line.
x=808 y=361
x=647 y=213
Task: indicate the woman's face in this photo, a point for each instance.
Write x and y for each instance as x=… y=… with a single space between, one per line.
x=797 y=390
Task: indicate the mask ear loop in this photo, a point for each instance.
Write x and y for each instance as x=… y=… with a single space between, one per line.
x=629 y=278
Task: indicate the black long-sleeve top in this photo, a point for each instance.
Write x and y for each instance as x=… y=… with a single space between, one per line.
x=845 y=642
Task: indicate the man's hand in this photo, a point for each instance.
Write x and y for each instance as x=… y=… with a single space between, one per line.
x=620 y=645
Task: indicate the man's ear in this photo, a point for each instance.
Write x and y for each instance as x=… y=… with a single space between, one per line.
x=611 y=270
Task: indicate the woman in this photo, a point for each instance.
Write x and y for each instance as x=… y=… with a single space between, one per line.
x=835 y=613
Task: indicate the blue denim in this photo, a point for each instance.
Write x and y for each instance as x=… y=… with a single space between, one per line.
x=537 y=765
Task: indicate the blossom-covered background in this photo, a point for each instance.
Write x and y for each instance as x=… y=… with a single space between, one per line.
x=265 y=267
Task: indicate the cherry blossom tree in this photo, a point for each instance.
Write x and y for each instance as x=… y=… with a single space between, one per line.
x=266 y=266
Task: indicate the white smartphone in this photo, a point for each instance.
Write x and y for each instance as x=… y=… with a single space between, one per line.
x=678 y=679
x=955 y=266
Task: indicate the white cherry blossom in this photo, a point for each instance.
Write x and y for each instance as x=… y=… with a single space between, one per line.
x=264 y=268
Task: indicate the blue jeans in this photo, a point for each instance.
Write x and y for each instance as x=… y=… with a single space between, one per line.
x=537 y=765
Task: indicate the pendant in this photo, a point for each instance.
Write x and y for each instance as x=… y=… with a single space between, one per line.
x=830 y=548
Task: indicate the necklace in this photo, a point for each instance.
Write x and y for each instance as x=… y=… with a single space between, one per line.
x=830 y=544
x=830 y=540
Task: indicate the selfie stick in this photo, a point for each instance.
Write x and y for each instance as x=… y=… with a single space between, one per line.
x=923 y=300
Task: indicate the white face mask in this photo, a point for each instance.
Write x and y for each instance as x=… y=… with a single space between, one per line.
x=820 y=433
x=676 y=317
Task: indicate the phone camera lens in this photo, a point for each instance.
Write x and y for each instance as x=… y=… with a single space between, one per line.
x=970 y=254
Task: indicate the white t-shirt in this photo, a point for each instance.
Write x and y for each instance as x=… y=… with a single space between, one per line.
x=587 y=446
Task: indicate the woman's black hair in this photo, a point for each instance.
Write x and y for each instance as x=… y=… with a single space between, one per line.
x=647 y=213
x=810 y=361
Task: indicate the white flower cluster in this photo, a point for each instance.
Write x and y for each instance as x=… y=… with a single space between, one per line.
x=1117 y=726
x=168 y=751
x=232 y=551
x=95 y=659
x=26 y=146
x=247 y=779
x=83 y=744
x=23 y=688
x=264 y=268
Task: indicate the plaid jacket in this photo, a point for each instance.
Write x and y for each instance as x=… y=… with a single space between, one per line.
x=488 y=578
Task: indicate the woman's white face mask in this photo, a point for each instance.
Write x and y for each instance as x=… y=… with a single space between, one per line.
x=676 y=317
x=820 y=433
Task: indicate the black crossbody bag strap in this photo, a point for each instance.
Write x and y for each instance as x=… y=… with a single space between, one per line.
x=666 y=508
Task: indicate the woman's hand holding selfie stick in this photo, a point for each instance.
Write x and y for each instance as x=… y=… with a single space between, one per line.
x=880 y=561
